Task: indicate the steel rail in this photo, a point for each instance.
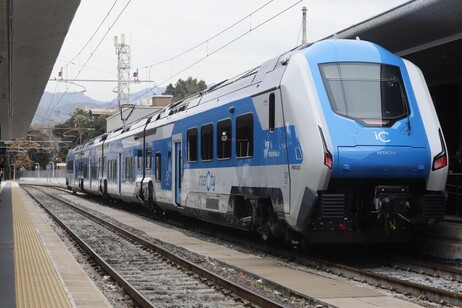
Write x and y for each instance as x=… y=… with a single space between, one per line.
x=127 y=287
x=395 y=284
x=241 y=291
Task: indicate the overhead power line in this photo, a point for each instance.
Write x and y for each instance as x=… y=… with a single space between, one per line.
x=220 y=48
x=92 y=53
x=78 y=54
x=94 y=33
x=209 y=39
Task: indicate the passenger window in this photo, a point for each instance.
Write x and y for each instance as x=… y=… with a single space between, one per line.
x=192 y=145
x=148 y=158
x=207 y=142
x=85 y=171
x=140 y=159
x=244 y=136
x=158 y=167
x=224 y=137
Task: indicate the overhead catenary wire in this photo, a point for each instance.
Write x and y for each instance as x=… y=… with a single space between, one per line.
x=77 y=55
x=94 y=33
x=217 y=50
x=209 y=39
x=92 y=53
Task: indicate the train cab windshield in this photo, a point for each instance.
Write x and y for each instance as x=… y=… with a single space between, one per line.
x=370 y=93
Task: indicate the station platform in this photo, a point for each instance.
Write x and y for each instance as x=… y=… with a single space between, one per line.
x=36 y=269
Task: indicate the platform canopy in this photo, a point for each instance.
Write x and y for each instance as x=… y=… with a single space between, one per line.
x=426 y=32
x=31 y=36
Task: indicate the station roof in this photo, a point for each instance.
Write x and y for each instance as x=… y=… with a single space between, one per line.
x=31 y=36
x=426 y=32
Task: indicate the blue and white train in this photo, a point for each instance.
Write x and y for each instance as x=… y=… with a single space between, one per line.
x=336 y=141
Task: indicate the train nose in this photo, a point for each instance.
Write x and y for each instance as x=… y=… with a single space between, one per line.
x=380 y=161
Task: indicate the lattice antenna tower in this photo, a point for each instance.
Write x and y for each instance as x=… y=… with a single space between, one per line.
x=123 y=78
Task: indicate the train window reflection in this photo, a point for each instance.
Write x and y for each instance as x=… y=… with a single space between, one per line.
x=207 y=142
x=224 y=137
x=192 y=145
x=244 y=136
x=372 y=94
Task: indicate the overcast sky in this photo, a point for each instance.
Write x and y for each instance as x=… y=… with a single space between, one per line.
x=159 y=30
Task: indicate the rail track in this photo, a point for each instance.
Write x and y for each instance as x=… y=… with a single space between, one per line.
x=149 y=274
x=421 y=280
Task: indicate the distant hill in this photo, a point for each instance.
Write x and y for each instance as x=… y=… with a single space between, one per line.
x=55 y=112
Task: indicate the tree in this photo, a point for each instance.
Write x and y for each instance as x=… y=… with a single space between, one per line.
x=185 y=88
x=78 y=129
x=37 y=147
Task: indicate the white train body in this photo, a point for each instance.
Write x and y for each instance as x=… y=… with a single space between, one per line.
x=333 y=142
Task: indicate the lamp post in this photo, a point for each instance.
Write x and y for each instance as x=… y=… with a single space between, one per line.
x=38 y=169
x=14 y=172
x=52 y=169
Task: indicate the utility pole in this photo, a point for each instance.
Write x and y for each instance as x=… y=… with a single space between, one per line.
x=304 y=25
x=123 y=77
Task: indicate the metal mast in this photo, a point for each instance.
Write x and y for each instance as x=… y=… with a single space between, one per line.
x=304 y=25
x=123 y=78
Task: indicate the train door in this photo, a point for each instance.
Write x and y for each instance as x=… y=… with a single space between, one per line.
x=119 y=173
x=178 y=172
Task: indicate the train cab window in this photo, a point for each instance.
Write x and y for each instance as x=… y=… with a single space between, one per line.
x=158 y=167
x=139 y=160
x=244 y=136
x=372 y=94
x=148 y=158
x=224 y=137
x=207 y=142
x=191 y=144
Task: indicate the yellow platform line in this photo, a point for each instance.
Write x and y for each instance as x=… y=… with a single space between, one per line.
x=37 y=284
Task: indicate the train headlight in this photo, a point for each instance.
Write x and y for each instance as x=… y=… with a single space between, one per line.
x=440 y=160
x=328 y=161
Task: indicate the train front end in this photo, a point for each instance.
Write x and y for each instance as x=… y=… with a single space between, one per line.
x=386 y=151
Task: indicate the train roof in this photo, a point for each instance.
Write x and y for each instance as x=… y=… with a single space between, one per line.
x=254 y=76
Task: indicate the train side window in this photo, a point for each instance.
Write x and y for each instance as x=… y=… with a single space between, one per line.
x=207 y=142
x=158 y=167
x=126 y=167
x=85 y=171
x=272 y=112
x=94 y=170
x=114 y=169
x=192 y=144
x=70 y=166
x=130 y=168
x=244 y=136
x=148 y=158
x=224 y=137
x=140 y=159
